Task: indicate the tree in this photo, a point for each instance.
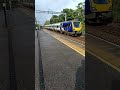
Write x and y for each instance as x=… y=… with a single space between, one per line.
x=54 y=19
x=71 y=14
x=61 y=17
x=47 y=22
x=80 y=10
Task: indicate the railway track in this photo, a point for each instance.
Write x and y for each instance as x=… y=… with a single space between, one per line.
x=109 y=33
x=114 y=30
x=78 y=39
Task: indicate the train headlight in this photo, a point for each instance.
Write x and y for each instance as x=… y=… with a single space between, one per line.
x=93 y=9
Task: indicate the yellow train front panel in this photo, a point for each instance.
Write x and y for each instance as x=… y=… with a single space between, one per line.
x=101 y=7
x=77 y=29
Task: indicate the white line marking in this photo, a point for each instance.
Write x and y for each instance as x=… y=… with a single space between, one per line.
x=103 y=40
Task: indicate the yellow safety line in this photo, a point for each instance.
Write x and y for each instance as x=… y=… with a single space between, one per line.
x=77 y=49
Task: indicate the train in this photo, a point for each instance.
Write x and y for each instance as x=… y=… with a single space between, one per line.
x=98 y=11
x=73 y=28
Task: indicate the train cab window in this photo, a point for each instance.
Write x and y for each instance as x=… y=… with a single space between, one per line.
x=101 y=1
x=76 y=24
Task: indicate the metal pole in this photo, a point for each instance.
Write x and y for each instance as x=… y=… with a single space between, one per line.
x=4 y=6
x=65 y=17
x=12 y=72
x=10 y=4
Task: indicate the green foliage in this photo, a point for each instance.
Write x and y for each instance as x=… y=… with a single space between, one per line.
x=47 y=22
x=38 y=26
x=61 y=18
x=54 y=19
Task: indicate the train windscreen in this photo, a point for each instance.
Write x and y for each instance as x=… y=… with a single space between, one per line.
x=76 y=24
x=101 y=1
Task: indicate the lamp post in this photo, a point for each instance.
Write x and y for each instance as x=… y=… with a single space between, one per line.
x=65 y=16
x=10 y=4
x=4 y=8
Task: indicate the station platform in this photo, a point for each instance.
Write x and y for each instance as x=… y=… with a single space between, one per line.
x=107 y=51
x=63 y=67
x=102 y=64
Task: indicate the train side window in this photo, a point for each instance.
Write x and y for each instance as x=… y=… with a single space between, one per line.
x=63 y=25
x=69 y=25
x=66 y=25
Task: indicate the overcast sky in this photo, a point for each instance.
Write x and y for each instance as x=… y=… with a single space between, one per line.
x=53 y=5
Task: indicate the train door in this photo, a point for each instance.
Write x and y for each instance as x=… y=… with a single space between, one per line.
x=70 y=27
x=61 y=28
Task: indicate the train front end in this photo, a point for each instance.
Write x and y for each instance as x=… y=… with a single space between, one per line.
x=101 y=5
x=100 y=10
x=77 y=27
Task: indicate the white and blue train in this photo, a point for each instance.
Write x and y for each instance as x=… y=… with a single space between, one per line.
x=68 y=27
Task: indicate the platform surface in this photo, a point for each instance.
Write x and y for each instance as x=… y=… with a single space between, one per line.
x=102 y=64
x=62 y=66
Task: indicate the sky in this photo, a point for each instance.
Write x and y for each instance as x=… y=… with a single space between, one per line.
x=53 y=5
